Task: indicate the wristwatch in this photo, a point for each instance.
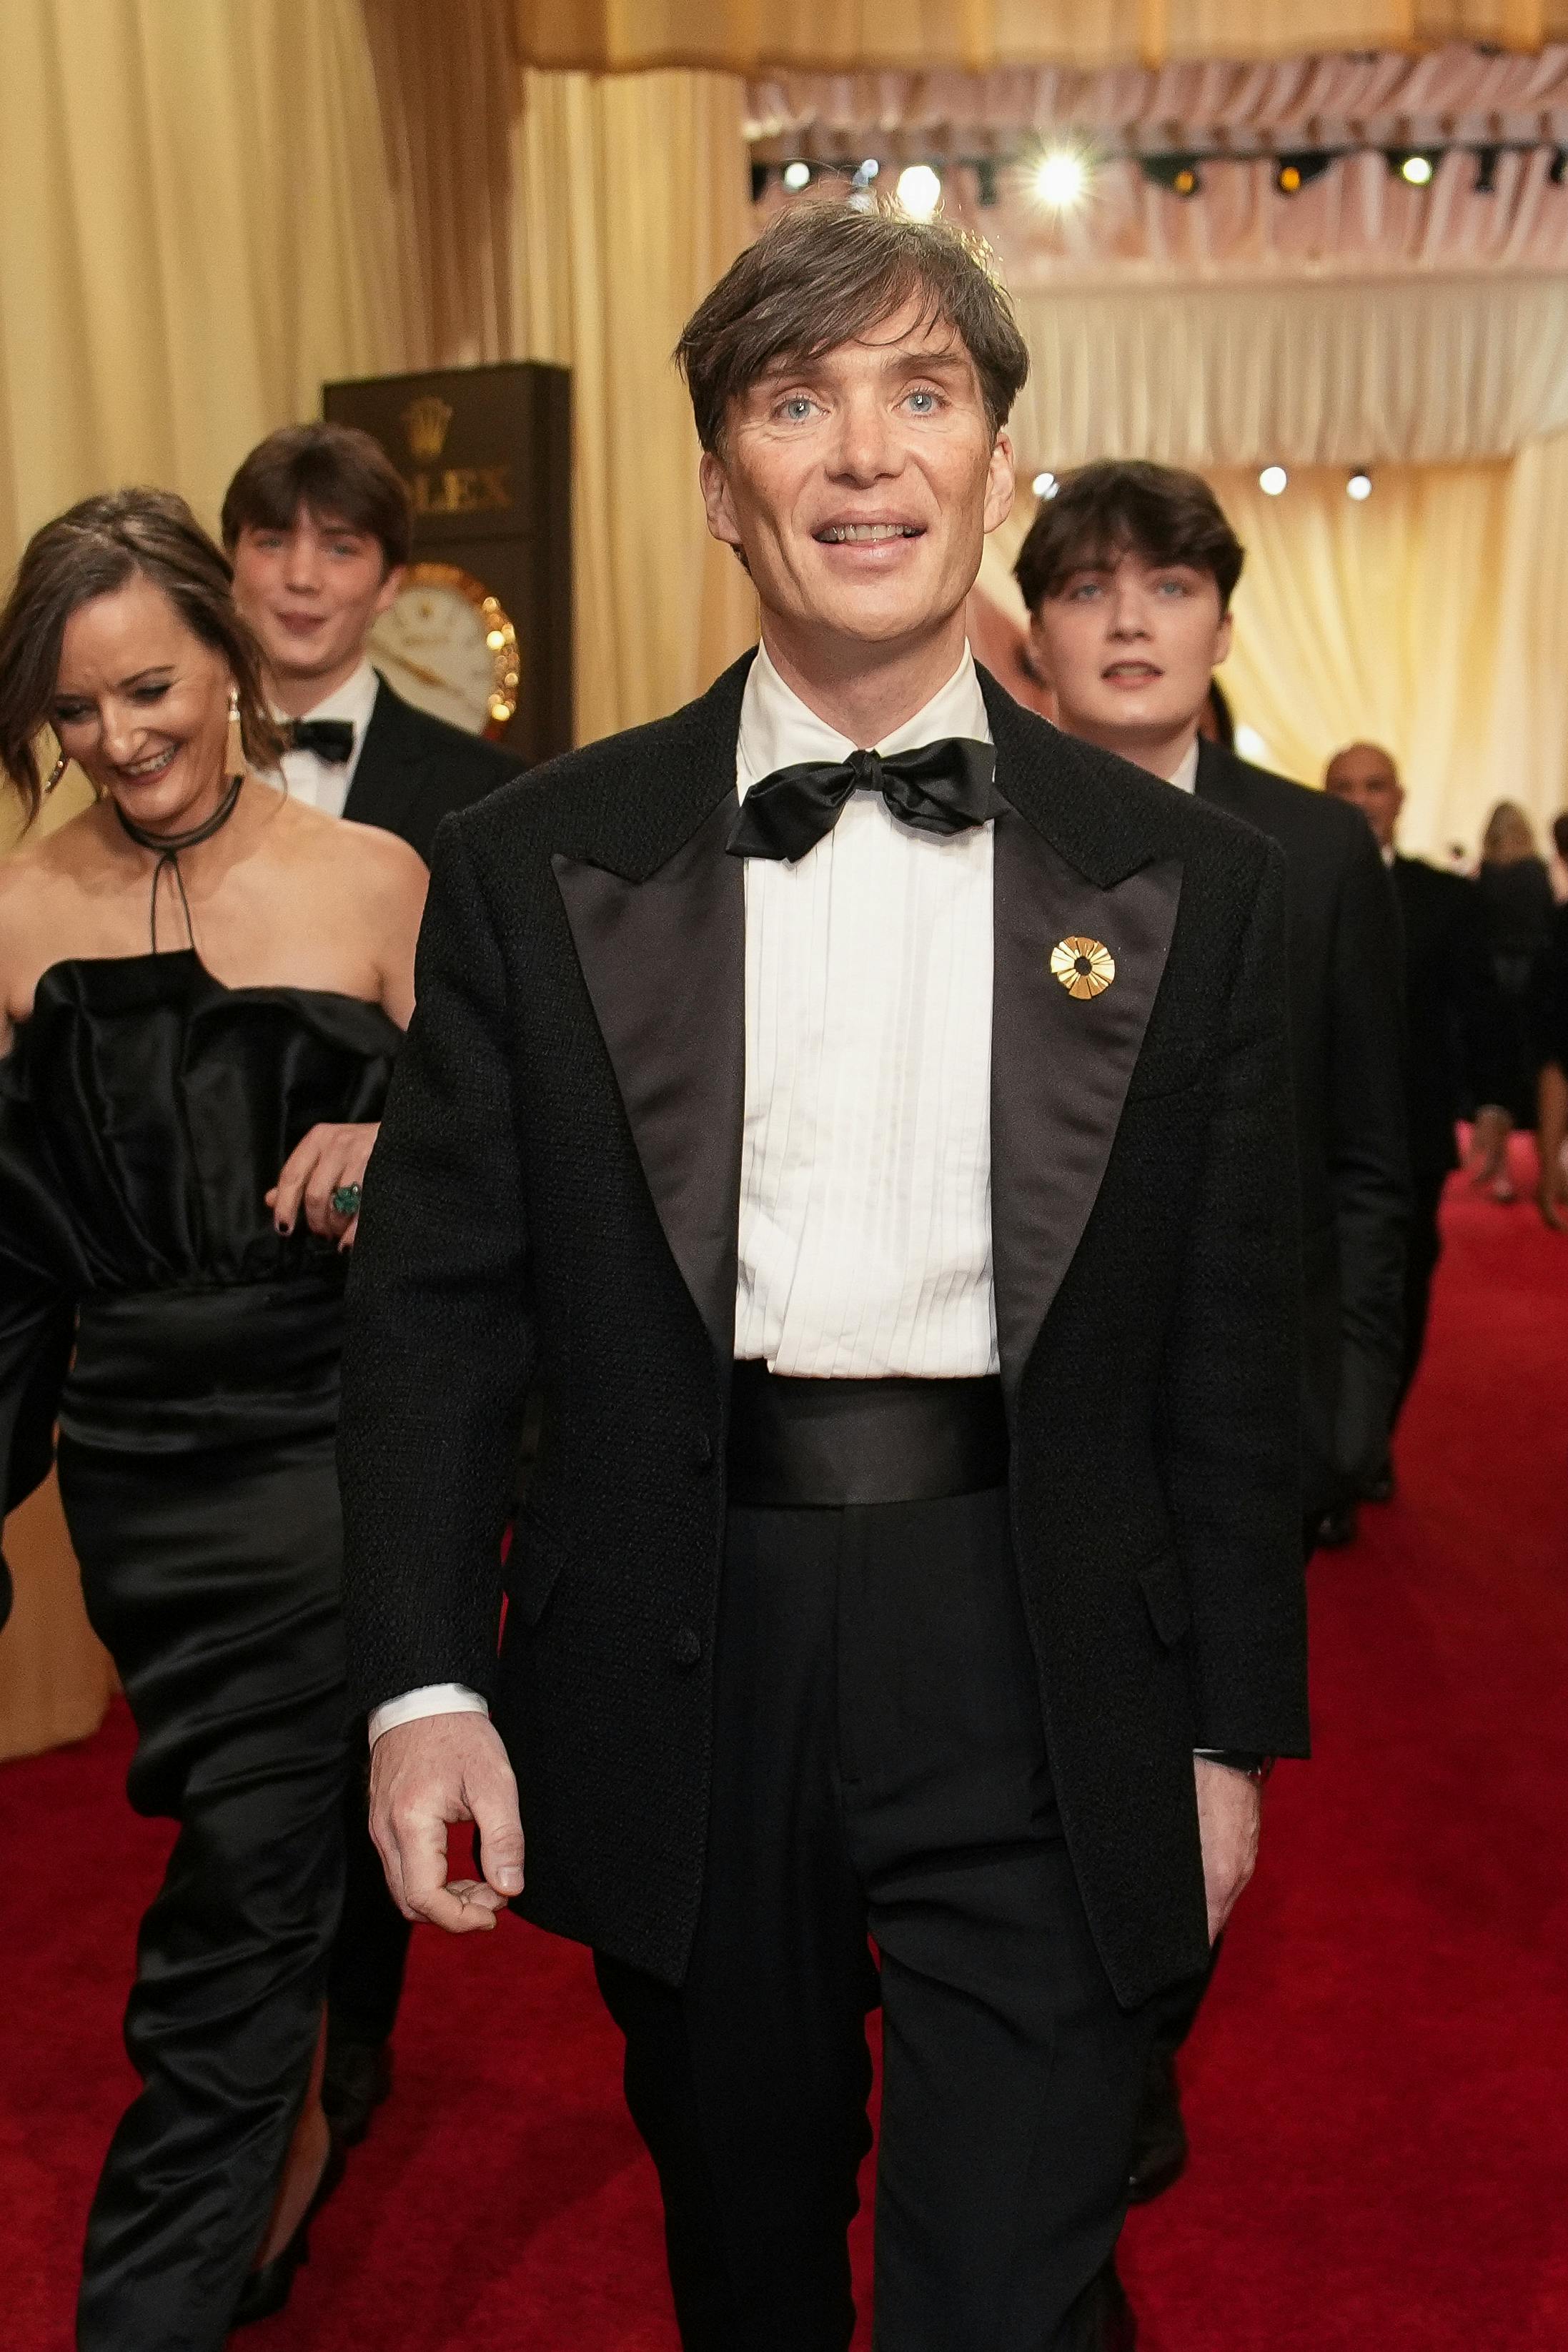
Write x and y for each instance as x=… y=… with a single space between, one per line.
x=1255 y=1769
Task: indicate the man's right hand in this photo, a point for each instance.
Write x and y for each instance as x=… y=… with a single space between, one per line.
x=424 y=1776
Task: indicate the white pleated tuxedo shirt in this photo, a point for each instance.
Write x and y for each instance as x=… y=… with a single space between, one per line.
x=865 y=1228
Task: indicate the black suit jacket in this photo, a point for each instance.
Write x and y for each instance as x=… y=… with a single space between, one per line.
x=1452 y=1013
x=557 y=1182
x=1347 y=1052
x=413 y=770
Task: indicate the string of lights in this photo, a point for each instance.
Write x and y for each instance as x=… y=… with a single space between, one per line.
x=1061 y=176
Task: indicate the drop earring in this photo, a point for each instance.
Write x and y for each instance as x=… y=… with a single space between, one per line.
x=234 y=756
x=56 y=772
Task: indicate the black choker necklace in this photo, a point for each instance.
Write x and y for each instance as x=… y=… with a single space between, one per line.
x=166 y=848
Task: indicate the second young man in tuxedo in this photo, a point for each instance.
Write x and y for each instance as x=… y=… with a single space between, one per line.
x=317 y=524
x=1128 y=574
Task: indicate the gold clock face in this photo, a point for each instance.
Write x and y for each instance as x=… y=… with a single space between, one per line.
x=448 y=646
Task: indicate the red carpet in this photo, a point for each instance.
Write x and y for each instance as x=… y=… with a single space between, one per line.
x=1378 y=2091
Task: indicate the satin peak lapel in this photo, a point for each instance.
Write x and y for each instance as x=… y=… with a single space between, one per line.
x=1060 y=1064
x=664 y=959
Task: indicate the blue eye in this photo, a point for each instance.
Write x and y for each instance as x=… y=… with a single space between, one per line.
x=928 y=399
x=797 y=407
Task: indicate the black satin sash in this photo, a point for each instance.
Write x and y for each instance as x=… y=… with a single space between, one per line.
x=187 y=1372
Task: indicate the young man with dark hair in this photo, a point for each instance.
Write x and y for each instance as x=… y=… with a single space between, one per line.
x=869 y=1111
x=1128 y=573
x=317 y=524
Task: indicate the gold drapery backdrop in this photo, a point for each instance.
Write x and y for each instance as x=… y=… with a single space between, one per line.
x=974 y=36
x=211 y=209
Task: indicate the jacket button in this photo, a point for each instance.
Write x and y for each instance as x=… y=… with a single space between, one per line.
x=702 y=1451
x=685 y=1647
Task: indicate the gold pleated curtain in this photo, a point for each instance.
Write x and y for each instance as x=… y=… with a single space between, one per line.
x=974 y=36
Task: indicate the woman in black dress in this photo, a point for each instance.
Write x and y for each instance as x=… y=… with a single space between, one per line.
x=202 y=991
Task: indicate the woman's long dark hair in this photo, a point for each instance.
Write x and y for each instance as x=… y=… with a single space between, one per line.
x=89 y=550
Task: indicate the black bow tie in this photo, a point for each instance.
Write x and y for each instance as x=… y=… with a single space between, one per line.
x=943 y=788
x=331 y=738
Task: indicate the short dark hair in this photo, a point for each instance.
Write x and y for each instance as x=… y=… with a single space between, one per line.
x=823 y=274
x=335 y=471
x=1122 y=506
x=91 y=550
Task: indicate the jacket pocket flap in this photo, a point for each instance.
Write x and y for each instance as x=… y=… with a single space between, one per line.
x=1165 y=1591
x=531 y=1570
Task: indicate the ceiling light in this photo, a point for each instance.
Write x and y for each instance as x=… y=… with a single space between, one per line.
x=1297 y=171
x=1044 y=486
x=1415 y=169
x=1061 y=179
x=1179 y=173
x=869 y=170
x=796 y=176
x=1359 y=487
x=1272 y=480
x=920 y=191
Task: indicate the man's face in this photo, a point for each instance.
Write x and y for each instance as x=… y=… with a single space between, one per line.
x=860 y=486
x=1130 y=647
x=312 y=594
x=1367 y=777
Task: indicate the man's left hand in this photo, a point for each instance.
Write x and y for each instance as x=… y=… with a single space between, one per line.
x=1230 y=1816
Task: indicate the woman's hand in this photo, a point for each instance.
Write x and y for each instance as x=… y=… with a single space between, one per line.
x=330 y=1160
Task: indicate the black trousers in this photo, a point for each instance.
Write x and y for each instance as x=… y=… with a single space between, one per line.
x=879 y=1770
x=1423 y=1248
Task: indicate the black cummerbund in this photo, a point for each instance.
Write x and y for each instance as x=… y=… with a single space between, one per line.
x=183 y=1371
x=821 y=1444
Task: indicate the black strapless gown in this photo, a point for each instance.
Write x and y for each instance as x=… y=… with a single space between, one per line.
x=144 y=1112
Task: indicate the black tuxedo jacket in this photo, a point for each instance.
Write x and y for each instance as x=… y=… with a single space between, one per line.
x=1452 y=1013
x=556 y=1184
x=413 y=770
x=1347 y=1055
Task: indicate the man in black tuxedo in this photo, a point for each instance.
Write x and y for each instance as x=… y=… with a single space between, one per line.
x=1453 y=1022
x=317 y=523
x=1128 y=573
x=870 y=1110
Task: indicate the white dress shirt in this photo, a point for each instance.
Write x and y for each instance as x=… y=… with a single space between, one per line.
x=324 y=783
x=1186 y=776
x=865 y=1239
x=865 y=1230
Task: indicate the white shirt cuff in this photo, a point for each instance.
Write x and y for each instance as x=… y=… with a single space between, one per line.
x=431 y=1698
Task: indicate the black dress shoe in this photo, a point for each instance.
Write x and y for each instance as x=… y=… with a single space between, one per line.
x=357 y=2078
x=1336 y=1527
x=1160 y=2148
x=266 y=2290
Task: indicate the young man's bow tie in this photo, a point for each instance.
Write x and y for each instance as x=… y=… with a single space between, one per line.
x=331 y=738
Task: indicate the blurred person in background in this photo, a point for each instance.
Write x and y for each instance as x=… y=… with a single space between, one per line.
x=1517 y=906
x=1451 y=1026
x=318 y=525
x=202 y=987
x=1558 y=863
x=1128 y=574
